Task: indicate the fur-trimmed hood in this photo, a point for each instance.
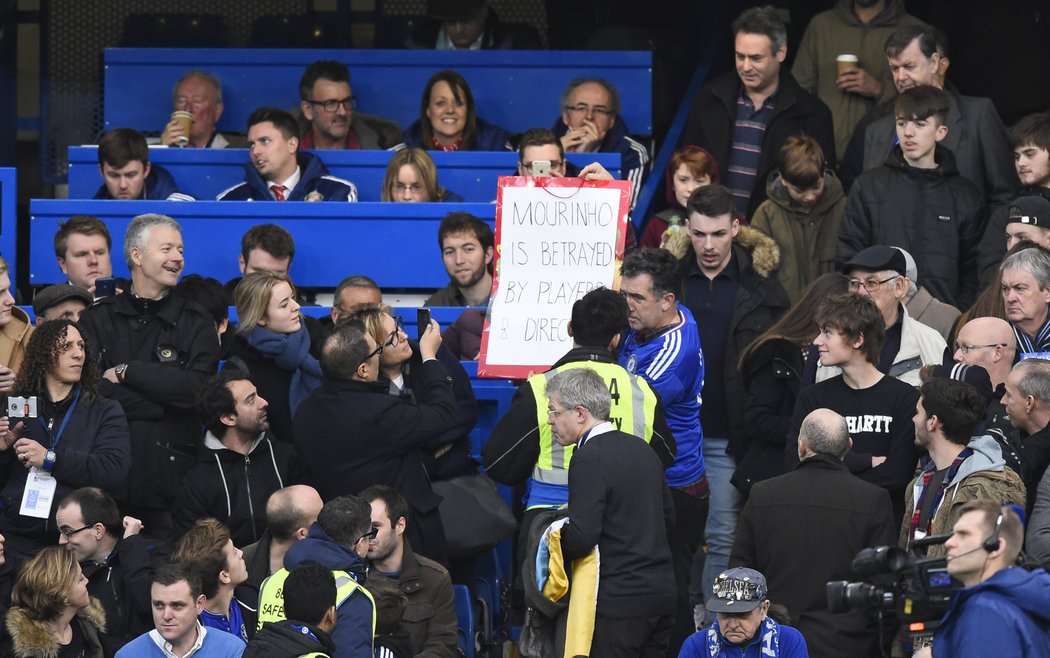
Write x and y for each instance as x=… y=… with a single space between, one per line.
x=765 y=254
x=30 y=638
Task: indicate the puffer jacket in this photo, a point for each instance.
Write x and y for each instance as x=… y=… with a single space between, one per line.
x=936 y=215
x=807 y=237
x=982 y=476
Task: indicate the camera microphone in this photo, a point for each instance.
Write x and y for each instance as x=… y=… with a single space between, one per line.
x=949 y=558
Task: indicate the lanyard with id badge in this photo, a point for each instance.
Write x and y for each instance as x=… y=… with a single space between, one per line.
x=39 y=494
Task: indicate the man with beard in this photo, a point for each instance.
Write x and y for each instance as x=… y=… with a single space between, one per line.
x=430 y=608
x=240 y=463
x=328 y=104
x=466 y=248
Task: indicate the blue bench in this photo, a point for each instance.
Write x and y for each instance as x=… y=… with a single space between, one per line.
x=394 y=243
x=517 y=90
x=204 y=173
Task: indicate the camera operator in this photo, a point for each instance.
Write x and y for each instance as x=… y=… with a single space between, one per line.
x=1002 y=609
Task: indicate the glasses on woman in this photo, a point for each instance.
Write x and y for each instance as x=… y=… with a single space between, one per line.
x=395 y=335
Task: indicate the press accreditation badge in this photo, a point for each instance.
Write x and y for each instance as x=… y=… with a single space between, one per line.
x=39 y=494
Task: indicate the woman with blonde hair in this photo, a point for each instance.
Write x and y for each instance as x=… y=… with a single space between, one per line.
x=52 y=615
x=412 y=177
x=276 y=345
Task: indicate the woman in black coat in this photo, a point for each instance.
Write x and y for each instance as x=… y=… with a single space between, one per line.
x=77 y=437
x=771 y=368
x=277 y=346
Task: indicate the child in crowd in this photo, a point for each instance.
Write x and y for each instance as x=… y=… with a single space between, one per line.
x=803 y=214
x=918 y=201
x=690 y=167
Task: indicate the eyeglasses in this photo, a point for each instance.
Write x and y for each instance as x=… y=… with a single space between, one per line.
x=581 y=108
x=370 y=535
x=871 y=285
x=395 y=335
x=376 y=352
x=414 y=188
x=966 y=349
x=68 y=534
x=554 y=413
x=348 y=103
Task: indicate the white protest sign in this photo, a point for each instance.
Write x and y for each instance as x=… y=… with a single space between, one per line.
x=556 y=240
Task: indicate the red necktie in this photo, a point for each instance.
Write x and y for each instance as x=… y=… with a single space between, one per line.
x=278 y=191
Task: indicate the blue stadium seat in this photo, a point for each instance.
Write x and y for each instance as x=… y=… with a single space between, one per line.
x=465 y=620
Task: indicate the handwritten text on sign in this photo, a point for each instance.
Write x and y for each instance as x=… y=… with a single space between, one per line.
x=555 y=242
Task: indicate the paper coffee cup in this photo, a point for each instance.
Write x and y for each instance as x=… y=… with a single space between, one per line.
x=846 y=62
x=185 y=120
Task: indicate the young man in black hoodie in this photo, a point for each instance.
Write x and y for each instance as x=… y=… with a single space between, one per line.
x=309 y=603
x=918 y=201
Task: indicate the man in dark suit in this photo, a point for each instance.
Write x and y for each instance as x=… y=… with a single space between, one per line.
x=353 y=434
x=619 y=502
x=743 y=118
x=803 y=529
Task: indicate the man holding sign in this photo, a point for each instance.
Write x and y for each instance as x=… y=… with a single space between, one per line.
x=663 y=346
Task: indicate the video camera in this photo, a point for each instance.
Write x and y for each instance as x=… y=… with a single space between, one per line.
x=914 y=588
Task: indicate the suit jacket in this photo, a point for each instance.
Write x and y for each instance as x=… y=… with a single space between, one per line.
x=803 y=529
x=796 y=112
x=619 y=501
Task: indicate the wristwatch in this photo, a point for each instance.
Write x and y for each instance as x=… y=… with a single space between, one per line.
x=119 y=372
x=49 y=460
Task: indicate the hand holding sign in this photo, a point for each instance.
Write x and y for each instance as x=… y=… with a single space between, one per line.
x=556 y=240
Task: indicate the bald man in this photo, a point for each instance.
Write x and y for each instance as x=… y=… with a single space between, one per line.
x=289 y=514
x=782 y=512
x=989 y=343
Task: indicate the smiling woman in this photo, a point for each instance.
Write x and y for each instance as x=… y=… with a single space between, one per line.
x=448 y=119
x=77 y=437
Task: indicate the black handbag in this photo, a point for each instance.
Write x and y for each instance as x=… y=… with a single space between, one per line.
x=474 y=515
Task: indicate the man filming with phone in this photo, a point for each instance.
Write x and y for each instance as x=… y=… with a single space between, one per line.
x=352 y=434
x=1002 y=609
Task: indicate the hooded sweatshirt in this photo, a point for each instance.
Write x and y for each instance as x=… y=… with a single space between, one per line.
x=234 y=488
x=807 y=237
x=1006 y=615
x=982 y=476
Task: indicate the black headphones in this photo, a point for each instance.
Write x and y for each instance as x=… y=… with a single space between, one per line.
x=992 y=543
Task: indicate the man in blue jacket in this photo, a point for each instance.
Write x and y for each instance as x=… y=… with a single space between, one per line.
x=1003 y=609
x=338 y=540
x=123 y=161
x=277 y=171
